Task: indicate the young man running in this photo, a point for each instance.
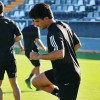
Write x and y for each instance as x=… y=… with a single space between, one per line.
x=62 y=44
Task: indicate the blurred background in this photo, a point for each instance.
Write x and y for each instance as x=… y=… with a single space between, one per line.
x=82 y=15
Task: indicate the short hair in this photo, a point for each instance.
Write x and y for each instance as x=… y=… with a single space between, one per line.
x=41 y=10
x=1 y=7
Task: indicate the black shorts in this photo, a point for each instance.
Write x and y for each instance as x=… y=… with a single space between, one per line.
x=50 y=76
x=10 y=67
x=36 y=63
x=67 y=91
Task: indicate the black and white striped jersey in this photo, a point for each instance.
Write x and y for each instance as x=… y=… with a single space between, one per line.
x=60 y=36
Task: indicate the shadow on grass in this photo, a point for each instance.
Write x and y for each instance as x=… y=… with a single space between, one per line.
x=21 y=92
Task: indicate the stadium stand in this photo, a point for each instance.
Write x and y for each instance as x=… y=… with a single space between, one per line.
x=82 y=15
x=10 y=4
x=75 y=10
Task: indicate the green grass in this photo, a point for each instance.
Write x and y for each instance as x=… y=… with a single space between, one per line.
x=89 y=88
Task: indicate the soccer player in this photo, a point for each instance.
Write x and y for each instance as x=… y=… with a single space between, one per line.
x=31 y=37
x=62 y=44
x=8 y=29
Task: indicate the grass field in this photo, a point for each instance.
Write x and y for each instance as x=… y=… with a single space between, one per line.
x=89 y=88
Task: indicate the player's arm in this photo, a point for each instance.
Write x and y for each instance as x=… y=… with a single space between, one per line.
x=21 y=47
x=56 y=42
x=54 y=55
x=77 y=43
x=39 y=42
x=77 y=46
x=18 y=38
x=17 y=32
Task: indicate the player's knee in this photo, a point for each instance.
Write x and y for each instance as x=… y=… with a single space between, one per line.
x=34 y=83
x=1 y=93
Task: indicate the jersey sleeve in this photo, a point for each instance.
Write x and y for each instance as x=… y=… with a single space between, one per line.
x=23 y=30
x=16 y=30
x=56 y=41
x=75 y=39
x=36 y=33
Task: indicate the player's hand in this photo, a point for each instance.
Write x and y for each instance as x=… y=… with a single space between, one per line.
x=22 y=51
x=45 y=48
x=34 y=55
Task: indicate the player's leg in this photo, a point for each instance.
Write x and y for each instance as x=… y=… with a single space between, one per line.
x=2 y=71
x=43 y=82
x=31 y=74
x=37 y=65
x=16 y=89
x=12 y=74
x=28 y=80
x=1 y=93
x=35 y=71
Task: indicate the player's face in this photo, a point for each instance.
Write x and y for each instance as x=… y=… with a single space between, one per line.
x=40 y=23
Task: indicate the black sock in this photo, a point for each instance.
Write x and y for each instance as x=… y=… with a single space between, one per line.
x=31 y=75
x=55 y=92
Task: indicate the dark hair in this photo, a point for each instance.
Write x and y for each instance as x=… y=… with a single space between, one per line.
x=1 y=7
x=41 y=10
